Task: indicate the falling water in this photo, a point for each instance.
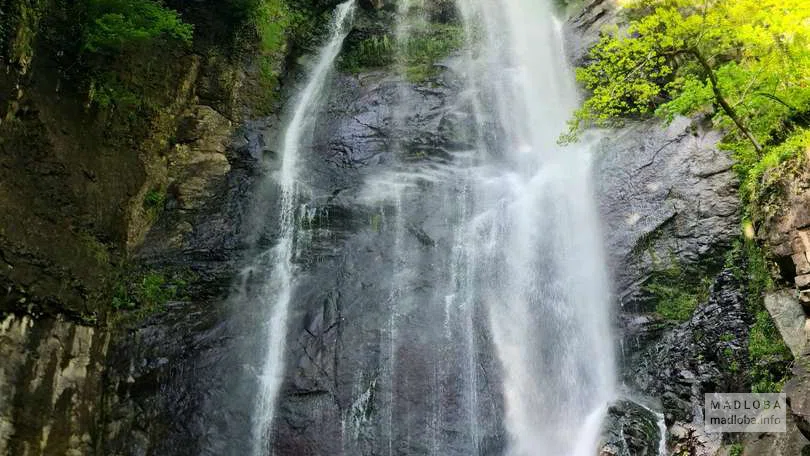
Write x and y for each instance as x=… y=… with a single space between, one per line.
x=278 y=288
x=534 y=237
x=491 y=250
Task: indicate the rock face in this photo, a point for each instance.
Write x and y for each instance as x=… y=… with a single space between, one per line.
x=50 y=386
x=583 y=28
x=789 y=317
x=785 y=222
x=183 y=382
x=85 y=187
x=179 y=377
x=667 y=194
x=345 y=363
x=707 y=353
x=631 y=430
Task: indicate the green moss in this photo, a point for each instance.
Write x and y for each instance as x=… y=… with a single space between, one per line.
x=770 y=357
x=417 y=55
x=747 y=262
x=96 y=248
x=375 y=221
x=135 y=298
x=278 y=24
x=153 y=203
x=760 y=174
x=677 y=291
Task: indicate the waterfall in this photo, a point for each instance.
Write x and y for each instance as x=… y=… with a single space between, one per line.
x=534 y=237
x=474 y=305
x=278 y=287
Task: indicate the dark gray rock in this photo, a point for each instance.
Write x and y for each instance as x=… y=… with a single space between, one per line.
x=707 y=353
x=630 y=430
x=174 y=386
x=667 y=195
x=582 y=29
x=362 y=378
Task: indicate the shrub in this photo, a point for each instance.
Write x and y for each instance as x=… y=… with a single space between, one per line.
x=117 y=24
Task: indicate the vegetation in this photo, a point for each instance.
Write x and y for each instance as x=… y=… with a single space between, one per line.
x=677 y=291
x=117 y=24
x=743 y=64
x=736 y=449
x=147 y=293
x=770 y=357
x=417 y=54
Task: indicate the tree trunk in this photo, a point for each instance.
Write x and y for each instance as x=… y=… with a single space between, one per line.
x=721 y=100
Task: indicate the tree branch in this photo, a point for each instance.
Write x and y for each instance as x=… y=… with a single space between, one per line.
x=721 y=100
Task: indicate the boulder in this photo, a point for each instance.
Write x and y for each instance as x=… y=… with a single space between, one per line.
x=630 y=429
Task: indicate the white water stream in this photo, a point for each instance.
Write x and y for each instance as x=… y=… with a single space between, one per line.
x=535 y=236
x=522 y=269
x=279 y=286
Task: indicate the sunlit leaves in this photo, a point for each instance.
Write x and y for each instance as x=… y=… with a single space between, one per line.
x=758 y=51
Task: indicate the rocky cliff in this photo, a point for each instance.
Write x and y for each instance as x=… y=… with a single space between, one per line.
x=98 y=205
x=110 y=206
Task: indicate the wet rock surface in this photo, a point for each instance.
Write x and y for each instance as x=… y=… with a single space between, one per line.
x=359 y=383
x=705 y=354
x=630 y=430
x=583 y=28
x=173 y=386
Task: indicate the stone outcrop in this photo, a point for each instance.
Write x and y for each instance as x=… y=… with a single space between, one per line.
x=668 y=196
x=50 y=386
x=789 y=317
x=631 y=430
x=784 y=217
x=583 y=28
x=707 y=353
x=86 y=187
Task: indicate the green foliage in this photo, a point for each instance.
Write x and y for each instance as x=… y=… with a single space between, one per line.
x=108 y=91
x=745 y=64
x=276 y=24
x=687 y=56
x=758 y=173
x=374 y=52
x=677 y=291
x=117 y=24
x=145 y=294
x=153 y=202
x=272 y=19
x=417 y=54
x=769 y=355
x=736 y=449
x=154 y=199
x=748 y=263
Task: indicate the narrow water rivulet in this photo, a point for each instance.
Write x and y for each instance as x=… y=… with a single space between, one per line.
x=476 y=297
x=276 y=292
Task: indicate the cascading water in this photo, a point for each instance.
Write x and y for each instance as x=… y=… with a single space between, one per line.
x=534 y=236
x=472 y=312
x=278 y=288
